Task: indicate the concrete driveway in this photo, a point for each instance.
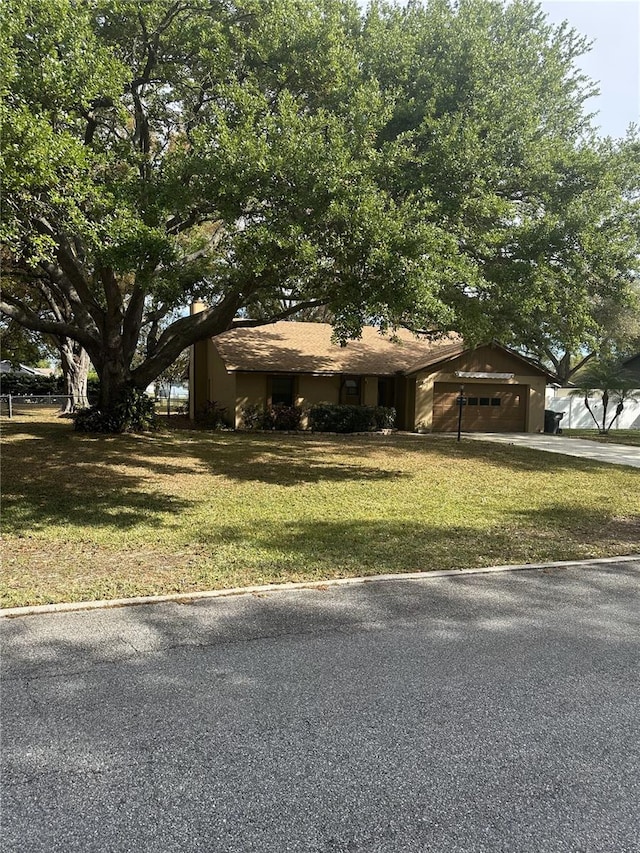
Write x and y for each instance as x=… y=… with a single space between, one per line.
x=466 y=713
x=616 y=454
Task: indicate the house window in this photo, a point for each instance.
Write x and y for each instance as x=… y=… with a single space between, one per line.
x=352 y=391
x=495 y=401
x=485 y=401
x=282 y=391
x=473 y=401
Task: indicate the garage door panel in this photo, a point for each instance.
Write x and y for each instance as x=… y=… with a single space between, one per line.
x=489 y=408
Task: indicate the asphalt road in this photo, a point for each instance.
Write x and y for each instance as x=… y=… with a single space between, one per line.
x=471 y=713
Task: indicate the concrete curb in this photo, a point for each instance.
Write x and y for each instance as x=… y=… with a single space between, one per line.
x=66 y=607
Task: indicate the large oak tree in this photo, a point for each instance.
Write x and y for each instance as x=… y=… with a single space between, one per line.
x=491 y=123
x=407 y=166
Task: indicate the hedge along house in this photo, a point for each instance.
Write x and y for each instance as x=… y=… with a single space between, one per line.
x=300 y=364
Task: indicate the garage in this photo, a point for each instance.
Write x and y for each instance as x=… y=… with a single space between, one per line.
x=488 y=408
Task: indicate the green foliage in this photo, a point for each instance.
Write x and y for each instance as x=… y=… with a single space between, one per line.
x=281 y=417
x=252 y=416
x=20 y=383
x=278 y=417
x=328 y=417
x=428 y=164
x=323 y=417
x=384 y=417
x=613 y=383
x=18 y=345
x=134 y=413
x=213 y=416
x=489 y=125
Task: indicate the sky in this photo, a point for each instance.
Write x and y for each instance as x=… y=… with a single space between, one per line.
x=614 y=60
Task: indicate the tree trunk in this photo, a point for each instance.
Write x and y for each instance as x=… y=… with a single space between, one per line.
x=605 y=406
x=619 y=411
x=563 y=370
x=115 y=382
x=75 y=369
x=590 y=410
x=563 y=366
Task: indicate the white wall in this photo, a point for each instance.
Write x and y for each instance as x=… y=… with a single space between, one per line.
x=576 y=415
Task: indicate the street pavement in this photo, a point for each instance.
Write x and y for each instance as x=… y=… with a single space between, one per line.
x=489 y=712
x=615 y=454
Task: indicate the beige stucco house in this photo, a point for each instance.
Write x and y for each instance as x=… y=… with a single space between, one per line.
x=300 y=364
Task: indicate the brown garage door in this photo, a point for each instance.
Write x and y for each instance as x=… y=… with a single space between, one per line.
x=489 y=408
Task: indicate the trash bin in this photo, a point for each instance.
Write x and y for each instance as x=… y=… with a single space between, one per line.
x=552 y=421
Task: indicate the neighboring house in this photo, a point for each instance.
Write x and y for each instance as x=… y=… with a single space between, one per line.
x=25 y=370
x=299 y=364
x=631 y=367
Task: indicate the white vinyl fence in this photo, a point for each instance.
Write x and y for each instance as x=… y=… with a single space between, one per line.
x=576 y=415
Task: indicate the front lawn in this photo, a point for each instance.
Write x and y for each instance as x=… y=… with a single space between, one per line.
x=100 y=516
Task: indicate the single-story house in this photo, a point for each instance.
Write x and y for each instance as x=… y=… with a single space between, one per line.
x=24 y=370
x=301 y=364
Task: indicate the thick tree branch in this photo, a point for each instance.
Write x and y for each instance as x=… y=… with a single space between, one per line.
x=83 y=298
x=581 y=364
x=152 y=320
x=132 y=322
x=141 y=134
x=281 y=315
x=198 y=216
x=113 y=296
x=66 y=295
x=19 y=312
x=185 y=332
x=57 y=303
x=90 y=116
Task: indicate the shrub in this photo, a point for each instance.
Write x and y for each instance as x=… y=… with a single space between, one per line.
x=21 y=383
x=329 y=417
x=281 y=417
x=278 y=417
x=136 y=413
x=252 y=416
x=213 y=416
x=384 y=417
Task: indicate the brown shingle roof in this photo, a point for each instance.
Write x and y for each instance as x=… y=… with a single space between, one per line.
x=290 y=347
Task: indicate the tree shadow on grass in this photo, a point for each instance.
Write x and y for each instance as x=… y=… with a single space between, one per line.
x=468 y=602
x=598 y=527
x=51 y=474
x=333 y=549
x=279 y=458
x=47 y=480
x=287 y=459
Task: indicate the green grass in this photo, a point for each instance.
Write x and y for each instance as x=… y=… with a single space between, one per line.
x=616 y=436
x=182 y=510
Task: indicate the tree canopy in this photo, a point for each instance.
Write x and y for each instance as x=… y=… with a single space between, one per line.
x=429 y=165
x=491 y=124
